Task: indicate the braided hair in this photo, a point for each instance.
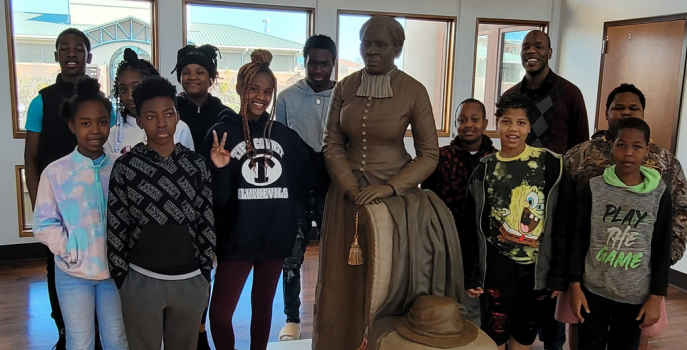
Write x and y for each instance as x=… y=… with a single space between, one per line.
x=131 y=61
x=260 y=63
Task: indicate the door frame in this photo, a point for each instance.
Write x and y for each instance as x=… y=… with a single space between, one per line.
x=681 y=75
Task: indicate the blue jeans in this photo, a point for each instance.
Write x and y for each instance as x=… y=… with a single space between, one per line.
x=80 y=299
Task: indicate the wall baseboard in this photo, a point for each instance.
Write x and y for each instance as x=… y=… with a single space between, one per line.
x=678 y=279
x=19 y=252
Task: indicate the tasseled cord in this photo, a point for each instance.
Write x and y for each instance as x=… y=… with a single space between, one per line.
x=355 y=255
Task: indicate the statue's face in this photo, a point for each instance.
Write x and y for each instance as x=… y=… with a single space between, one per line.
x=377 y=49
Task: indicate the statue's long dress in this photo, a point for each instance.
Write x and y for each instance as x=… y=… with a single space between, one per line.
x=364 y=144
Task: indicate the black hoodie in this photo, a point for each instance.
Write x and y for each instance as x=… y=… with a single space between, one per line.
x=160 y=213
x=254 y=203
x=200 y=119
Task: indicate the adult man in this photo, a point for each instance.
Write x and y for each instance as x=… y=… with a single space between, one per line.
x=303 y=108
x=560 y=122
x=561 y=117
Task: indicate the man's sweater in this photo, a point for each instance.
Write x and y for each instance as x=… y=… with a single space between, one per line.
x=159 y=214
x=560 y=120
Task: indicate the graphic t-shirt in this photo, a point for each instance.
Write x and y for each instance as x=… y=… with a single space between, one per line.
x=515 y=193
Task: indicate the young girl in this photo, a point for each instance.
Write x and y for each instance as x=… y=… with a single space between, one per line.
x=127 y=132
x=196 y=70
x=70 y=219
x=620 y=254
x=259 y=165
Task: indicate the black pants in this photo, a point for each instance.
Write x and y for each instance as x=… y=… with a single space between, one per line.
x=609 y=323
x=552 y=332
x=56 y=312
x=309 y=209
x=511 y=306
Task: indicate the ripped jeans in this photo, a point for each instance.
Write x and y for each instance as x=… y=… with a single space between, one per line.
x=512 y=307
x=309 y=209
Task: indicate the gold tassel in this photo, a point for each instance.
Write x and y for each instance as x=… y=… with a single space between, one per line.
x=355 y=255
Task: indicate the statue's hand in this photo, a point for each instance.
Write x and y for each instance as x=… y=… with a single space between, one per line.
x=374 y=194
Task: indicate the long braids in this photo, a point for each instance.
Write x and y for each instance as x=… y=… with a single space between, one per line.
x=260 y=63
x=143 y=67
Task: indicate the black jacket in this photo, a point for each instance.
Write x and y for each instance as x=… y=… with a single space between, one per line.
x=254 y=201
x=200 y=119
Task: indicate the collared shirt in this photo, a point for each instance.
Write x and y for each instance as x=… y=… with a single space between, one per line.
x=544 y=88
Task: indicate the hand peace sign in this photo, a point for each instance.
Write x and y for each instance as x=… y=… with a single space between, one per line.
x=219 y=156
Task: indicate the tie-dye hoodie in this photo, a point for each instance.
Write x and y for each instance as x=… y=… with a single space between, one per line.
x=69 y=218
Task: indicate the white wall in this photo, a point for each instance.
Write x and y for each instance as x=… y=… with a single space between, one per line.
x=170 y=40
x=581 y=29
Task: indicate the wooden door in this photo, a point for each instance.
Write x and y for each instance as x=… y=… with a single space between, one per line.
x=652 y=57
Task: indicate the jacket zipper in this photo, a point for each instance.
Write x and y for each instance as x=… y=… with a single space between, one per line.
x=479 y=224
x=101 y=197
x=548 y=217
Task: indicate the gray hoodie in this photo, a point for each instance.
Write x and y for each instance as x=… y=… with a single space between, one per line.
x=305 y=111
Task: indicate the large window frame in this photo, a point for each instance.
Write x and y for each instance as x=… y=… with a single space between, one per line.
x=494 y=69
x=310 y=30
x=19 y=133
x=445 y=128
x=219 y=3
x=25 y=227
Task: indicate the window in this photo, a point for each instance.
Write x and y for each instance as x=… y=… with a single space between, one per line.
x=111 y=25
x=23 y=203
x=497 y=61
x=238 y=30
x=427 y=56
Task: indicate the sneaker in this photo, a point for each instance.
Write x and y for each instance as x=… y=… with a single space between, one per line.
x=290 y=331
x=203 y=341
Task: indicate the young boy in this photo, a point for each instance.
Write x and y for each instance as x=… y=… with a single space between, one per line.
x=48 y=137
x=589 y=159
x=456 y=163
x=620 y=253
x=513 y=195
x=160 y=228
x=303 y=108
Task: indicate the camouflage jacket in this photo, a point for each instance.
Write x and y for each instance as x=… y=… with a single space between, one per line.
x=590 y=158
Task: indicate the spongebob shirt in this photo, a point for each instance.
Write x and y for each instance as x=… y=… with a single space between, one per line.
x=515 y=192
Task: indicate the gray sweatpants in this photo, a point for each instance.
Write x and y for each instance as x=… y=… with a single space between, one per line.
x=155 y=309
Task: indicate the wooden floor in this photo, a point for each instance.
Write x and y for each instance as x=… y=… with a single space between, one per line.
x=25 y=321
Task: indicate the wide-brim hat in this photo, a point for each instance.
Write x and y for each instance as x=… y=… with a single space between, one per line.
x=436 y=321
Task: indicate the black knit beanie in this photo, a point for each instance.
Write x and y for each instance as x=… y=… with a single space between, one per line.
x=204 y=56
